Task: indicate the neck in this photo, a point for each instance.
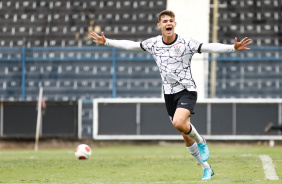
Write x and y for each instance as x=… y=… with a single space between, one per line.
x=169 y=39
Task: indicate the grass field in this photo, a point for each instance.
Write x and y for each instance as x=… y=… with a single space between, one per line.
x=137 y=164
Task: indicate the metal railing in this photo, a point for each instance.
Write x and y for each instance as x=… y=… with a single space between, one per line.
x=73 y=54
x=78 y=54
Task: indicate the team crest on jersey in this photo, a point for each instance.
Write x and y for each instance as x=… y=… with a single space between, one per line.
x=177 y=49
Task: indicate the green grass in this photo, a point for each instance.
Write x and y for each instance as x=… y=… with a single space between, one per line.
x=137 y=164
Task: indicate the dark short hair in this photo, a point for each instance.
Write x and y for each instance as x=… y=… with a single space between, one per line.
x=166 y=12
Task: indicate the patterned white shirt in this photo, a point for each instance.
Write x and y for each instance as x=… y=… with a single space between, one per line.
x=174 y=61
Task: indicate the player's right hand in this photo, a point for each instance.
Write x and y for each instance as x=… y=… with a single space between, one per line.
x=242 y=44
x=98 y=39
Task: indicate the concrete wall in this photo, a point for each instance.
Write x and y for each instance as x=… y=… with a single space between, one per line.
x=192 y=18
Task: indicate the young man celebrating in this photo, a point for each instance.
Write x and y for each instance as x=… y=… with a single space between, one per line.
x=173 y=54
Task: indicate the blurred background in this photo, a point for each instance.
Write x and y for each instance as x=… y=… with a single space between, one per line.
x=47 y=44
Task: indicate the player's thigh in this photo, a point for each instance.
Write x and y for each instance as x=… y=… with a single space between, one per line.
x=181 y=115
x=185 y=105
x=187 y=100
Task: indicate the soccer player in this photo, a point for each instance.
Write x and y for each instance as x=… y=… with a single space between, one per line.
x=173 y=54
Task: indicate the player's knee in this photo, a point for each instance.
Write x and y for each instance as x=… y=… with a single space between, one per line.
x=178 y=123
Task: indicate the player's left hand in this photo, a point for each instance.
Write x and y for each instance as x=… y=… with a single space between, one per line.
x=242 y=44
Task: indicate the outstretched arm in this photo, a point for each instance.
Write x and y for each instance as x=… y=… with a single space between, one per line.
x=220 y=48
x=123 y=44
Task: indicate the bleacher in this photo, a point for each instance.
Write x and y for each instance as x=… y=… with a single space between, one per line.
x=252 y=79
x=257 y=19
x=74 y=74
x=47 y=44
x=66 y=23
x=260 y=20
x=69 y=74
x=31 y=23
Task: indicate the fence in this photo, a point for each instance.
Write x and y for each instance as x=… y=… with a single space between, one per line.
x=249 y=74
x=81 y=70
x=72 y=72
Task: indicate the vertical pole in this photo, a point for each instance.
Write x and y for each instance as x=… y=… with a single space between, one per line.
x=114 y=92
x=234 y=119
x=79 y=121
x=279 y=116
x=214 y=39
x=38 y=118
x=23 y=73
x=1 y=118
x=138 y=118
x=209 y=119
x=95 y=119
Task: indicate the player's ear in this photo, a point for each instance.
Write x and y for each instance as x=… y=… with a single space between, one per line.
x=159 y=25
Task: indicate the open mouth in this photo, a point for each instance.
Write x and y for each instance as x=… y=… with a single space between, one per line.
x=169 y=29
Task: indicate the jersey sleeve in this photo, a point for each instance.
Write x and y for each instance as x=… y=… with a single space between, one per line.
x=194 y=45
x=217 y=48
x=147 y=45
x=123 y=44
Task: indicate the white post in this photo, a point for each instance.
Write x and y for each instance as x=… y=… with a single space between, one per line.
x=1 y=118
x=38 y=118
x=214 y=40
x=79 y=126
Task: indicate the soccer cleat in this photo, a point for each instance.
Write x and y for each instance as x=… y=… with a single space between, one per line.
x=204 y=150
x=208 y=173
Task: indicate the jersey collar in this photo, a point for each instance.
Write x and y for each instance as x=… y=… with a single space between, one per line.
x=171 y=42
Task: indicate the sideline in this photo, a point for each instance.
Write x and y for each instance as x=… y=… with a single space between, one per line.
x=268 y=167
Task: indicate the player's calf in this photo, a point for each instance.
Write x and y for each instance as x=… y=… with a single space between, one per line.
x=202 y=145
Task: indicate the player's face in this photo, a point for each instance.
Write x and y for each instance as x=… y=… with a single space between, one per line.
x=167 y=25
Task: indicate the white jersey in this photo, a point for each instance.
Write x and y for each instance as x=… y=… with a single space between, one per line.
x=174 y=61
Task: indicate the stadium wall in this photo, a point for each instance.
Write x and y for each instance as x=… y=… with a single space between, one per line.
x=59 y=119
x=216 y=119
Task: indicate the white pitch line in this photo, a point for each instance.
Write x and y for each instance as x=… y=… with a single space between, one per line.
x=268 y=167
